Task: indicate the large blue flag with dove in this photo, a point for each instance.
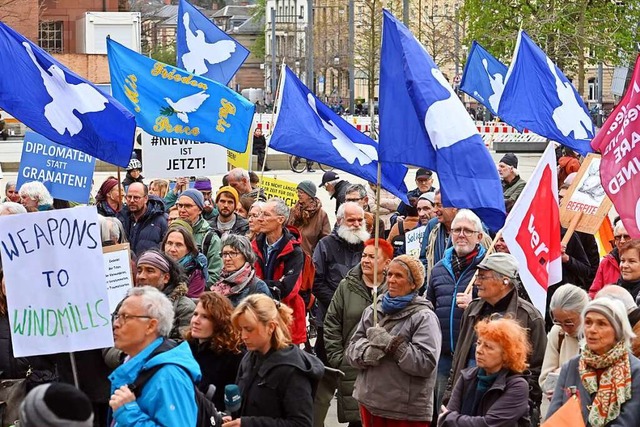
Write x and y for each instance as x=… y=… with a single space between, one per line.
x=423 y=123
x=539 y=97
x=483 y=77
x=60 y=105
x=307 y=128
x=204 y=49
x=169 y=102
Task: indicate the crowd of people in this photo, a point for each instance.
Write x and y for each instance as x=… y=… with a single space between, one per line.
x=234 y=291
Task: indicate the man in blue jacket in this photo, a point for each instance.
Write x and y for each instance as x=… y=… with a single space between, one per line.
x=143 y=218
x=140 y=326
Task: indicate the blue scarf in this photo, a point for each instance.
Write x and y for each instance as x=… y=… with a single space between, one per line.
x=190 y=263
x=392 y=305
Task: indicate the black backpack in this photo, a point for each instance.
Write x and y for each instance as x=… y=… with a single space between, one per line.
x=398 y=241
x=208 y=415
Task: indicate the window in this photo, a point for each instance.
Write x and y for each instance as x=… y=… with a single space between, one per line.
x=50 y=36
x=593 y=89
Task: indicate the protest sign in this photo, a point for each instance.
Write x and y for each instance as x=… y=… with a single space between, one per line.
x=413 y=241
x=54 y=270
x=586 y=197
x=165 y=157
x=117 y=271
x=286 y=190
x=66 y=172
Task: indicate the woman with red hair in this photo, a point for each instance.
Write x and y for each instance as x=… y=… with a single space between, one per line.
x=353 y=295
x=494 y=392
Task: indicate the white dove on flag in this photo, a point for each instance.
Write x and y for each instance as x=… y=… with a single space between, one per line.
x=200 y=51
x=66 y=97
x=348 y=149
x=188 y=104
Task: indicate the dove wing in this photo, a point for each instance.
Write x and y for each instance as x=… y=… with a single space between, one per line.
x=219 y=51
x=190 y=103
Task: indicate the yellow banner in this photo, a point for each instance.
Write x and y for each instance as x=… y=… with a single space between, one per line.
x=242 y=160
x=286 y=190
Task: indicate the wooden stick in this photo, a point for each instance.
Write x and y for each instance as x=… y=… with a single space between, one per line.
x=572 y=227
x=491 y=249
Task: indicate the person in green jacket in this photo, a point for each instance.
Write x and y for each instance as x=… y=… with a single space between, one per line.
x=512 y=183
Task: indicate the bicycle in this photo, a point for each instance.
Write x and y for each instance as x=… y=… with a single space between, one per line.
x=300 y=164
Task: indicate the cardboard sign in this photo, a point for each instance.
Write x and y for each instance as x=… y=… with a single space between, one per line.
x=67 y=173
x=286 y=190
x=117 y=271
x=54 y=271
x=164 y=157
x=586 y=195
x=413 y=241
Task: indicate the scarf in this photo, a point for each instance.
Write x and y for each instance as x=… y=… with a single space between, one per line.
x=301 y=214
x=460 y=263
x=471 y=405
x=232 y=283
x=392 y=305
x=190 y=264
x=108 y=210
x=614 y=388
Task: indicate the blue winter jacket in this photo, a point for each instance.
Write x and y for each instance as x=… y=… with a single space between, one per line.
x=168 y=398
x=442 y=292
x=148 y=232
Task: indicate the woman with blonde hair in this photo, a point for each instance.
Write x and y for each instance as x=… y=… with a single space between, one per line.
x=494 y=392
x=277 y=380
x=159 y=187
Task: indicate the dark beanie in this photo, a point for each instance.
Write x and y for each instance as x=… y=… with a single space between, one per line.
x=510 y=159
x=56 y=404
x=308 y=187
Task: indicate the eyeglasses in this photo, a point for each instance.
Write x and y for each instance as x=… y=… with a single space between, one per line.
x=230 y=255
x=353 y=199
x=624 y=237
x=184 y=205
x=124 y=318
x=566 y=323
x=482 y=277
x=134 y=198
x=464 y=231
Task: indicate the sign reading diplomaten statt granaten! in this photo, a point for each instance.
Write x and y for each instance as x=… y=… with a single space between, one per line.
x=55 y=279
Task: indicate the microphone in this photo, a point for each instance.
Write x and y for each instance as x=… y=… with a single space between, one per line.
x=232 y=398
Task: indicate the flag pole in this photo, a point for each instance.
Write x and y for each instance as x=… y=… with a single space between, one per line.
x=376 y=233
x=274 y=116
x=490 y=250
x=572 y=227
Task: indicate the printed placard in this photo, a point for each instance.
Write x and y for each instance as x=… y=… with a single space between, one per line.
x=286 y=190
x=54 y=271
x=164 y=157
x=413 y=241
x=66 y=172
x=117 y=271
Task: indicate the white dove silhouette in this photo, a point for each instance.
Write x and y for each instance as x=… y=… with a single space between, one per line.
x=201 y=51
x=66 y=98
x=188 y=104
x=348 y=149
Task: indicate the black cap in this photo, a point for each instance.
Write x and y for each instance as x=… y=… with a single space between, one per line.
x=422 y=172
x=328 y=177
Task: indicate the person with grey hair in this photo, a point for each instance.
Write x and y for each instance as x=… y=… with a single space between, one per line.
x=238 y=278
x=279 y=262
x=605 y=376
x=512 y=183
x=239 y=179
x=111 y=230
x=35 y=197
x=619 y=293
x=141 y=326
x=11 y=208
x=335 y=186
x=10 y=192
x=563 y=339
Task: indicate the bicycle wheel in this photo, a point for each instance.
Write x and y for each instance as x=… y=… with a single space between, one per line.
x=325 y=168
x=297 y=164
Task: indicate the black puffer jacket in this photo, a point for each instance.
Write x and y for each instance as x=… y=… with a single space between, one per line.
x=13 y=368
x=148 y=232
x=277 y=388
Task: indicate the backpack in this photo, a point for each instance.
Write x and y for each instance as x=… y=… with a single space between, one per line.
x=398 y=241
x=206 y=242
x=306 y=287
x=208 y=415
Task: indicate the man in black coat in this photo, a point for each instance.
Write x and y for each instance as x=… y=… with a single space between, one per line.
x=260 y=148
x=143 y=218
x=335 y=186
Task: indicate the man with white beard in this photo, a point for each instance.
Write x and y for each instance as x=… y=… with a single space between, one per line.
x=333 y=257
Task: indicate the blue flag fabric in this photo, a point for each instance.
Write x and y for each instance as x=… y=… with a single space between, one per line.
x=57 y=103
x=483 y=77
x=423 y=123
x=169 y=102
x=204 y=49
x=307 y=128
x=538 y=97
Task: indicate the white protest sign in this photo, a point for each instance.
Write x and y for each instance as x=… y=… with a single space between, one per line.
x=54 y=271
x=413 y=241
x=164 y=157
x=117 y=271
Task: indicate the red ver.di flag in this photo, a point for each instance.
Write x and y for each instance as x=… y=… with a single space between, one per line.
x=532 y=231
x=618 y=142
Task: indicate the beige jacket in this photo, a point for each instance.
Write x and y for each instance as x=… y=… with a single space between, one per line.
x=554 y=356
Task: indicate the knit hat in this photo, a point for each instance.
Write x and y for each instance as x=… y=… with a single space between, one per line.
x=202 y=184
x=228 y=189
x=501 y=263
x=510 y=159
x=615 y=313
x=194 y=195
x=308 y=187
x=155 y=259
x=106 y=186
x=415 y=267
x=181 y=223
x=56 y=405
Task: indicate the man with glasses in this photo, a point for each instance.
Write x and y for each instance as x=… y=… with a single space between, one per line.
x=609 y=268
x=495 y=285
x=143 y=218
x=140 y=328
x=190 y=205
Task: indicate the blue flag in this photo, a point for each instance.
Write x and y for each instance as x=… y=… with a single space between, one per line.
x=60 y=105
x=204 y=49
x=483 y=77
x=170 y=102
x=423 y=123
x=307 y=128
x=538 y=97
